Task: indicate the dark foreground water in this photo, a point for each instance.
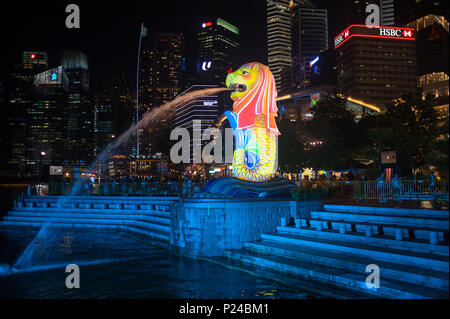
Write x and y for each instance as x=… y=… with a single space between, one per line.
x=118 y=266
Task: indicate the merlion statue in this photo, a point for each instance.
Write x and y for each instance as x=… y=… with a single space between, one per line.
x=253 y=122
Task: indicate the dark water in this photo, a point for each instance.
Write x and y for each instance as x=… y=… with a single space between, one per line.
x=117 y=265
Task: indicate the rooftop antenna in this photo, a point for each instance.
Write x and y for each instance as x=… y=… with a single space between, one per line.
x=142 y=33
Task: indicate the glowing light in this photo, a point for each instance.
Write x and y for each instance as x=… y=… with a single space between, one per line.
x=253 y=123
x=370 y=106
x=385 y=32
x=32 y=56
x=206 y=24
x=206 y=65
x=311 y=63
x=54 y=76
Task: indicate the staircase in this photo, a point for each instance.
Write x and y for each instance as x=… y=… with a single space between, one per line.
x=145 y=216
x=334 y=247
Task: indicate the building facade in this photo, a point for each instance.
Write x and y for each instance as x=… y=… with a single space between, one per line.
x=79 y=112
x=309 y=38
x=37 y=122
x=376 y=64
x=218 y=42
x=205 y=109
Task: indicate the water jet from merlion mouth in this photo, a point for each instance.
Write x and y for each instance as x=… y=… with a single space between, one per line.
x=26 y=258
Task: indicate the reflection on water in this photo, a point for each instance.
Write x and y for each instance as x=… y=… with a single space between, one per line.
x=117 y=266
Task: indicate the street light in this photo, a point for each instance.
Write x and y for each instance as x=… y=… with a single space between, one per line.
x=40 y=166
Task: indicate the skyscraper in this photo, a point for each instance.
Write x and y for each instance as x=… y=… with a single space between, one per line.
x=160 y=73
x=279 y=40
x=432 y=29
x=408 y=11
x=103 y=122
x=218 y=42
x=376 y=64
x=79 y=142
x=205 y=109
x=355 y=11
x=160 y=80
x=38 y=119
x=309 y=38
x=387 y=12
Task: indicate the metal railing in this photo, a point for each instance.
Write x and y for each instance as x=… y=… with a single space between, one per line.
x=107 y=188
x=396 y=190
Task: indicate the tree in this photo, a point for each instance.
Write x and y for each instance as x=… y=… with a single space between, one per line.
x=290 y=146
x=438 y=157
x=335 y=127
x=409 y=126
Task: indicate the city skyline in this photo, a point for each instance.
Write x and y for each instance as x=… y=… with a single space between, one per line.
x=109 y=33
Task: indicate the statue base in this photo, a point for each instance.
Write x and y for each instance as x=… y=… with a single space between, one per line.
x=275 y=188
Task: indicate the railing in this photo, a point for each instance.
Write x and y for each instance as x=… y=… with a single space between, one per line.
x=184 y=189
x=396 y=190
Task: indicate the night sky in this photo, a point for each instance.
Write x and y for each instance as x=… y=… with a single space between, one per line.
x=109 y=30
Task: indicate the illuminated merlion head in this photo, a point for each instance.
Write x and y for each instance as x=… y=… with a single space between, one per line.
x=253 y=93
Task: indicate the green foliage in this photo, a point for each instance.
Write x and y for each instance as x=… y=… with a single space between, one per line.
x=409 y=126
x=438 y=157
x=335 y=126
x=309 y=193
x=291 y=155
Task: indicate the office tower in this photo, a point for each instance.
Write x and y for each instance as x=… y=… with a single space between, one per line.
x=387 y=13
x=430 y=20
x=20 y=101
x=205 y=109
x=279 y=40
x=79 y=143
x=408 y=11
x=218 y=42
x=123 y=102
x=160 y=72
x=309 y=38
x=432 y=59
x=103 y=122
x=376 y=64
x=323 y=68
x=355 y=11
x=160 y=80
x=38 y=123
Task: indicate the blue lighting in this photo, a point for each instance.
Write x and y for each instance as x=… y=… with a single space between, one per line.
x=311 y=63
x=54 y=76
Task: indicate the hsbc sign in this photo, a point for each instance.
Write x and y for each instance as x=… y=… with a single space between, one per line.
x=373 y=32
x=396 y=33
x=391 y=32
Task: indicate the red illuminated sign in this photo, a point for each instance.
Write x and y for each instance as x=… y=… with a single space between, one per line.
x=32 y=56
x=206 y=24
x=356 y=30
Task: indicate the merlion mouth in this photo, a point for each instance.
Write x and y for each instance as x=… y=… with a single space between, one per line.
x=237 y=87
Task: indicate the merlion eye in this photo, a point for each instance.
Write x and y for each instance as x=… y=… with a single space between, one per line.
x=244 y=72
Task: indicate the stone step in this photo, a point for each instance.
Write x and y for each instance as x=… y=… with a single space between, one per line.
x=382 y=241
x=135 y=228
x=336 y=277
x=419 y=222
x=90 y=211
x=354 y=263
x=165 y=219
x=106 y=199
x=422 y=260
x=409 y=212
x=135 y=222
x=390 y=230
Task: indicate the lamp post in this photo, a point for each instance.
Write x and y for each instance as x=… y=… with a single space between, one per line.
x=40 y=166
